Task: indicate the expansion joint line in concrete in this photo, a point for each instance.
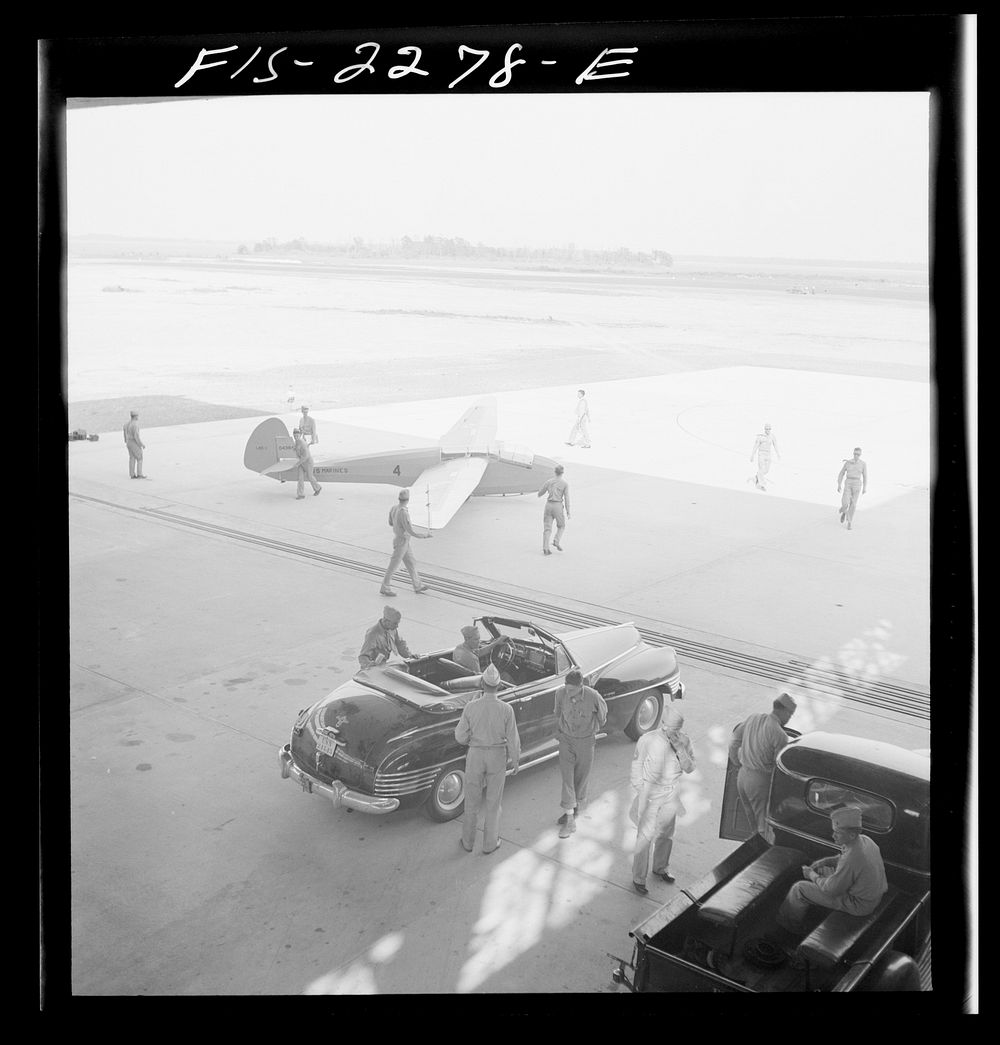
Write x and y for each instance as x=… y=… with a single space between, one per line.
x=823 y=682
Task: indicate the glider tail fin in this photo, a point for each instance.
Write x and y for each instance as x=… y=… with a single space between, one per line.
x=267 y=445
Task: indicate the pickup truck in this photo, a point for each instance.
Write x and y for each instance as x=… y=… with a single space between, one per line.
x=713 y=936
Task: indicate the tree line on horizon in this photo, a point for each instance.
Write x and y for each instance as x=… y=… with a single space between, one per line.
x=456 y=247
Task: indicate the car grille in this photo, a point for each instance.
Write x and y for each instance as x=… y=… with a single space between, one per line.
x=396 y=784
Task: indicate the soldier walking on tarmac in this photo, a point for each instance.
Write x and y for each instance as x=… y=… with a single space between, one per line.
x=402 y=530
x=556 y=493
x=854 y=477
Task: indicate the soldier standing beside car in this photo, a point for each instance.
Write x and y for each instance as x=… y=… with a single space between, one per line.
x=755 y=745
x=383 y=641
x=580 y=712
x=487 y=727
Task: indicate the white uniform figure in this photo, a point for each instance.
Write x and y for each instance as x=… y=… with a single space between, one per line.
x=581 y=427
x=660 y=759
x=854 y=477
x=763 y=444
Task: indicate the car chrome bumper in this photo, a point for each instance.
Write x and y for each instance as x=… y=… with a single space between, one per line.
x=336 y=791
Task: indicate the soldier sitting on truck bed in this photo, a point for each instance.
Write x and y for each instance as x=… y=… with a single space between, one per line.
x=854 y=882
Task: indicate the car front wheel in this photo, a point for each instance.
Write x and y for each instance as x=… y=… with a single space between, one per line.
x=646 y=716
x=447 y=798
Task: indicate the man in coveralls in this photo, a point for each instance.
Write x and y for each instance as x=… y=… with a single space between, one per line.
x=854 y=882
x=383 y=641
x=305 y=467
x=754 y=747
x=307 y=426
x=580 y=712
x=581 y=427
x=488 y=728
x=556 y=494
x=134 y=444
x=854 y=477
x=402 y=531
x=660 y=758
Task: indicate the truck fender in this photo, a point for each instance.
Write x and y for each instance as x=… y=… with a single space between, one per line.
x=894 y=971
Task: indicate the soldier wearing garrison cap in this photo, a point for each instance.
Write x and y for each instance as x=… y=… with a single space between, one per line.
x=754 y=748
x=853 y=882
x=471 y=650
x=488 y=729
x=383 y=641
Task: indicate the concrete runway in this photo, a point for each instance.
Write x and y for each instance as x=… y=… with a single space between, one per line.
x=197 y=870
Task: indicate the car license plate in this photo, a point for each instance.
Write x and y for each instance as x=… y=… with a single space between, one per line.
x=326 y=745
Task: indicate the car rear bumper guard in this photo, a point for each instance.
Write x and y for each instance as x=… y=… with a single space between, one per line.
x=336 y=791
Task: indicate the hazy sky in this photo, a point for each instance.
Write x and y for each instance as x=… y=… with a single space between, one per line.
x=756 y=175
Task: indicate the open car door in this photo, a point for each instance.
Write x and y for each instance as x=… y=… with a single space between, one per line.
x=734 y=823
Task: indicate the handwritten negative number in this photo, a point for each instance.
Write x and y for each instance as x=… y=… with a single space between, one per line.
x=501 y=77
x=401 y=70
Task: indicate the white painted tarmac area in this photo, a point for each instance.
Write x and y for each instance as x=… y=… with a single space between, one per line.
x=197 y=870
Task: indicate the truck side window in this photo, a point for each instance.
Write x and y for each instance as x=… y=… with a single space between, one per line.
x=823 y=796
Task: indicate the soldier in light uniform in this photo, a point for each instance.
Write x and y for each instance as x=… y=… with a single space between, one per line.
x=305 y=467
x=307 y=426
x=556 y=494
x=763 y=444
x=659 y=760
x=134 y=444
x=854 y=477
x=487 y=727
x=854 y=882
x=402 y=531
x=754 y=747
x=581 y=427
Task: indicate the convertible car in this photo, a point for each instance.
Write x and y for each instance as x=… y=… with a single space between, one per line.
x=386 y=739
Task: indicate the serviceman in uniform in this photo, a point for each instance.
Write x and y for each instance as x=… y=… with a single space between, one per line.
x=763 y=444
x=581 y=427
x=383 y=641
x=305 y=467
x=488 y=728
x=854 y=882
x=556 y=494
x=402 y=531
x=470 y=651
x=754 y=747
x=854 y=477
x=307 y=426
x=580 y=712
x=134 y=444
x=659 y=760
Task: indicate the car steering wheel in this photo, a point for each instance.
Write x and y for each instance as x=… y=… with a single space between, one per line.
x=502 y=656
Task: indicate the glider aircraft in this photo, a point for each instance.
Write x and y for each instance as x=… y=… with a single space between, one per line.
x=467 y=462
